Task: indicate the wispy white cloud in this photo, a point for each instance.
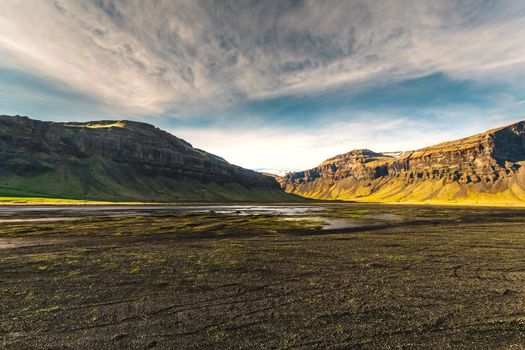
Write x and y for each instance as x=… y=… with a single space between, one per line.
x=284 y=148
x=150 y=60
x=300 y=145
x=150 y=57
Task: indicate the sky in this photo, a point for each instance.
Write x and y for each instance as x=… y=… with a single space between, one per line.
x=266 y=84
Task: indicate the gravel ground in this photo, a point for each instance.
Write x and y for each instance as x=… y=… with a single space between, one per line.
x=439 y=278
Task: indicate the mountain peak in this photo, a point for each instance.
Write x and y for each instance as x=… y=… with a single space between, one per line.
x=361 y=154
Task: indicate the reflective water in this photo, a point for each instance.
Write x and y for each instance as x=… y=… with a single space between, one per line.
x=327 y=219
x=47 y=219
x=328 y=223
x=127 y=209
x=384 y=216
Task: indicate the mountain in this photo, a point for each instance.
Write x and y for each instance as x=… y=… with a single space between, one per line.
x=120 y=161
x=486 y=168
x=273 y=172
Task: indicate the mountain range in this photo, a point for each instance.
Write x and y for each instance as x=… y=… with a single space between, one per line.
x=487 y=168
x=118 y=161
x=133 y=161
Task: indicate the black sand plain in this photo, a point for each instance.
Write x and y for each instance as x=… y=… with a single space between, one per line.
x=394 y=277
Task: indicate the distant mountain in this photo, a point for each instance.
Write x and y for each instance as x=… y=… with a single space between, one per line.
x=279 y=172
x=118 y=160
x=484 y=168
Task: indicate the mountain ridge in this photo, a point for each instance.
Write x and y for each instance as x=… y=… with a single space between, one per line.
x=118 y=160
x=483 y=168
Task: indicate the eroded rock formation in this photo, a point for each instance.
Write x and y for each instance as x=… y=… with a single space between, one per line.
x=484 y=167
x=116 y=160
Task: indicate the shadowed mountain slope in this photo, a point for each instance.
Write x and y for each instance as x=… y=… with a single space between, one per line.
x=118 y=160
x=480 y=169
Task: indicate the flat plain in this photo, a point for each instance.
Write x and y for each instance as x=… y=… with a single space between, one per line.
x=332 y=275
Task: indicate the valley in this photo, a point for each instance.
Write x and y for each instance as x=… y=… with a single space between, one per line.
x=277 y=174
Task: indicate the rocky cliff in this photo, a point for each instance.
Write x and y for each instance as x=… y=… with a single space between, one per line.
x=484 y=168
x=117 y=160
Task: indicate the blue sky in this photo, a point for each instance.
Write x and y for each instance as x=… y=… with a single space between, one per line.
x=270 y=84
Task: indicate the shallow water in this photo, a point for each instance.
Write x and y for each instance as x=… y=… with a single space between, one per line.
x=49 y=219
x=385 y=216
x=40 y=214
x=329 y=223
x=126 y=209
x=9 y=243
x=259 y=210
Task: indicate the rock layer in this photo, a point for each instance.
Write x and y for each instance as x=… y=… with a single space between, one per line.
x=121 y=160
x=487 y=167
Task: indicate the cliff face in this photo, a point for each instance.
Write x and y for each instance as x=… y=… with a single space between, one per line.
x=487 y=167
x=121 y=160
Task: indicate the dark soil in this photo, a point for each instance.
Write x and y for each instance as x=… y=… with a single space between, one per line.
x=440 y=278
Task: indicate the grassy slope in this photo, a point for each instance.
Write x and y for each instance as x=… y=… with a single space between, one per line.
x=95 y=185
x=39 y=200
x=506 y=192
x=206 y=193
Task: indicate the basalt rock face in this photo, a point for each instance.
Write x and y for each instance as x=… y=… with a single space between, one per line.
x=121 y=160
x=487 y=167
x=361 y=164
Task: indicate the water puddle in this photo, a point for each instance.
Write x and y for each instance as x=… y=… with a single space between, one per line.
x=10 y=243
x=385 y=216
x=257 y=210
x=126 y=210
x=47 y=219
x=7 y=245
x=42 y=214
x=328 y=223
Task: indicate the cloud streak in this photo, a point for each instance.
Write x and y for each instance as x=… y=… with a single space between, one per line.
x=292 y=81
x=152 y=57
